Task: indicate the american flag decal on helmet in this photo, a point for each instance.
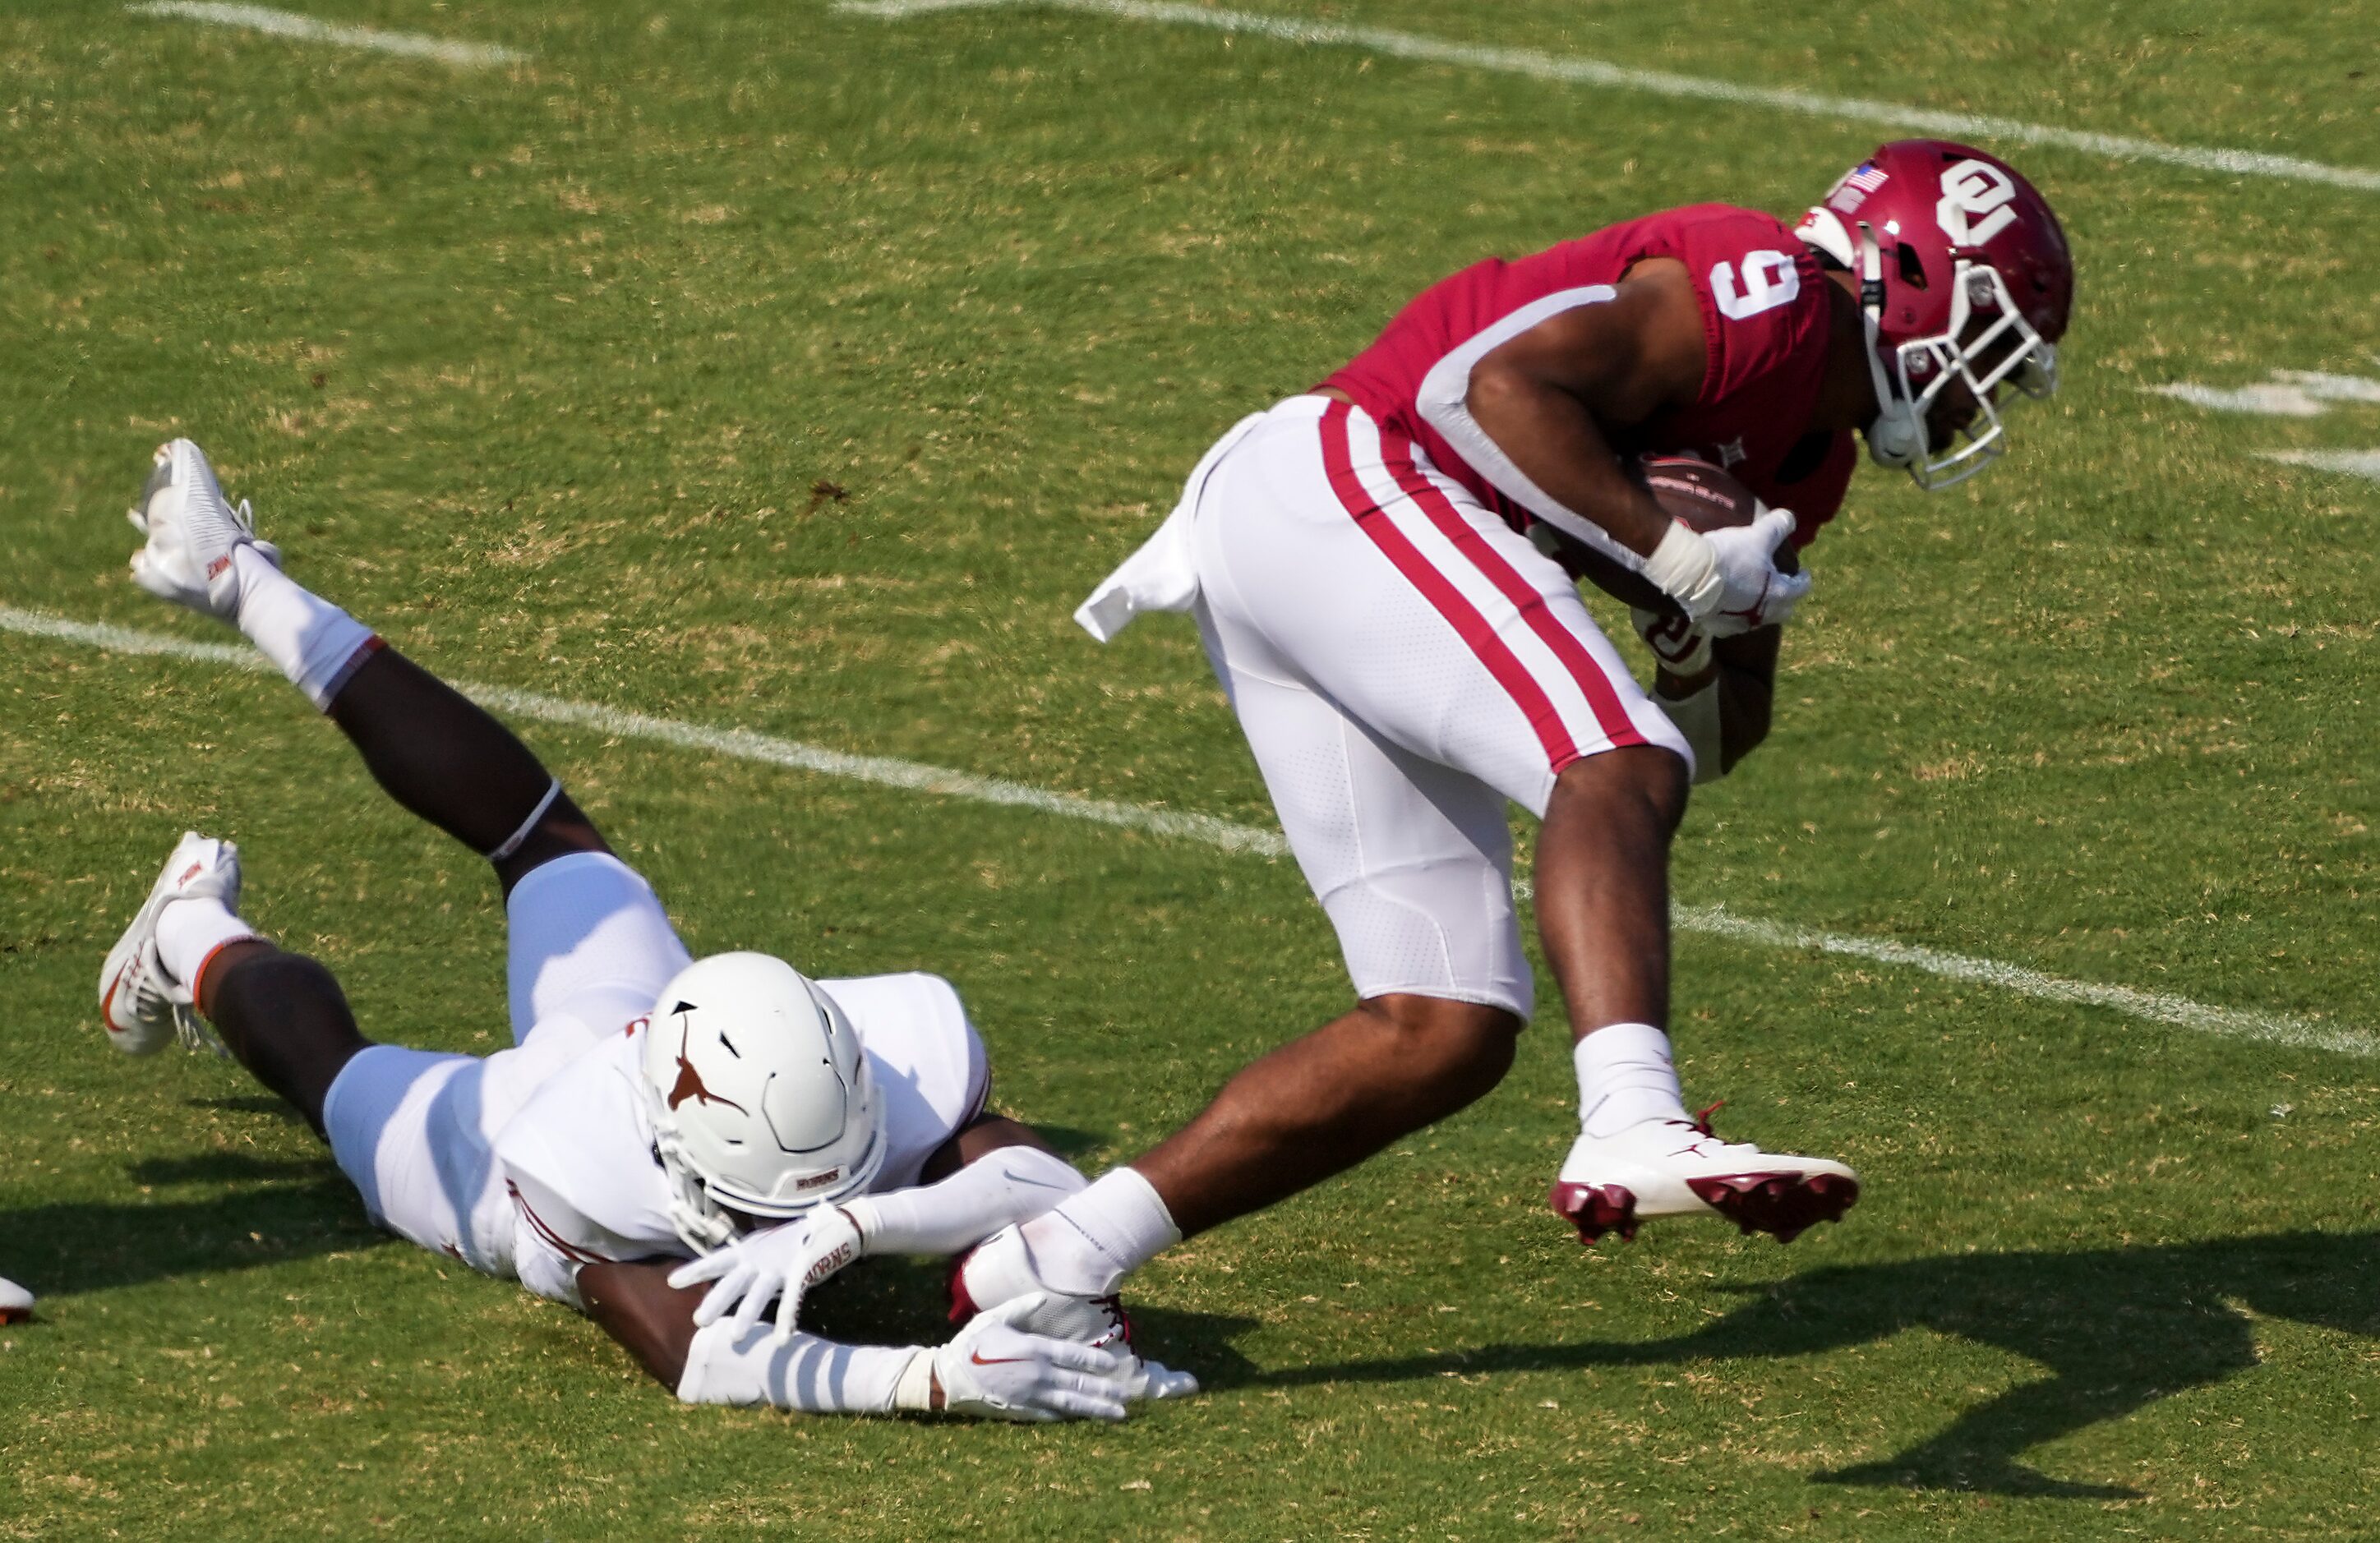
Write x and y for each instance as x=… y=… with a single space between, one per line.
x=1855 y=187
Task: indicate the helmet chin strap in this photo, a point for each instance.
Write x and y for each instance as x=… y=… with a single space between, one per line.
x=1895 y=438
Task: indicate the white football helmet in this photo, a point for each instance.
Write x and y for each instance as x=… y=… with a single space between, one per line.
x=762 y=1102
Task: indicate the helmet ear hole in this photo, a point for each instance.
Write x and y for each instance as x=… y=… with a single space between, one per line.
x=1913 y=267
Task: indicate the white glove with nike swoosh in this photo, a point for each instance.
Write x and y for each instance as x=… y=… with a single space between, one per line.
x=1684 y=648
x=996 y=1371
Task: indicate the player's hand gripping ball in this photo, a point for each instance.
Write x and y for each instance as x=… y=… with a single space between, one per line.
x=1701 y=494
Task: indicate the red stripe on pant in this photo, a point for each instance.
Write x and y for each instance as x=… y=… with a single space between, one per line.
x=1339 y=463
x=1396 y=454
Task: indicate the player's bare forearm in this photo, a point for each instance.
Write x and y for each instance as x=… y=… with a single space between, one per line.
x=1547 y=396
x=1558 y=444
x=652 y=1319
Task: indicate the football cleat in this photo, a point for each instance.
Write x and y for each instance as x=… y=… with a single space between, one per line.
x=16 y=1302
x=997 y=1269
x=1678 y=1168
x=142 y=1005
x=192 y=532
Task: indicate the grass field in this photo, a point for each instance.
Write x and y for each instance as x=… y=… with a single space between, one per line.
x=761 y=364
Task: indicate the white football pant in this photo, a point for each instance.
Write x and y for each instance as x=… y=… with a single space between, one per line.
x=589 y=949
x=1402 y=663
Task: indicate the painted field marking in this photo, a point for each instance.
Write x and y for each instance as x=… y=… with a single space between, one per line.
x=2276 y=1028
x=1573 y=70
x=306 y=29
x=2265 y=401
x=2353 y=463
x=2289 y=393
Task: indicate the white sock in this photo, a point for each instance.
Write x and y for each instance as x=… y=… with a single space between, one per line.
x=314 y=643
x=1099 y=1235
x=1624 y=1078
x=189 y=932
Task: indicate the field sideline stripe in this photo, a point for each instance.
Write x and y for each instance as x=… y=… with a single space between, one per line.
x=307 y=28
x=1574 y=69
x=2274 y=1029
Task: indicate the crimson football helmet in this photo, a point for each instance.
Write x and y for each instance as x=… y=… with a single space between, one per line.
x=1965 y=283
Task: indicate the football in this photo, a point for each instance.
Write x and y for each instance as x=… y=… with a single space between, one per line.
x=1693 y=491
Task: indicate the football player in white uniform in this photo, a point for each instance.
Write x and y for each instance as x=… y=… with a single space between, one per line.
x=653 y=1109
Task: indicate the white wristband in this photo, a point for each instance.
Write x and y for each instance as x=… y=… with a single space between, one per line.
x=1685 y=568
x=914 y=1391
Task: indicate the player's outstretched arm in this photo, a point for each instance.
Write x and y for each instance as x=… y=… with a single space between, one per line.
x=1005 y=1174
x=991 y=1369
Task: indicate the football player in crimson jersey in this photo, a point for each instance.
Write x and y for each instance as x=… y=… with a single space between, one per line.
x=653 y=1109
x=1403 y=659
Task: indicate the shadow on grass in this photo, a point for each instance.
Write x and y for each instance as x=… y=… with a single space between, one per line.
x=2116 y=1328
x=71 y=1246
x=907 y=1302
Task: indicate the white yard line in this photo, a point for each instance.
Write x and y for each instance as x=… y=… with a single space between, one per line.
x=2354 y=463
x=2290 y=394
x=2265 y=401
x=1572 y=70
x=306 y=29
x=885 y=771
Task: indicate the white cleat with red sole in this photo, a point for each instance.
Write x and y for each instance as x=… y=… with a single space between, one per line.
x=143 y=1006
x=1663 y=1168
x=15 y=1303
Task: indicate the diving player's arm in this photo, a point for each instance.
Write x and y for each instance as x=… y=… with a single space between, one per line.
x=1005 y=1173
x=637 y=1306
x=654 y=1322
x=991 y=1369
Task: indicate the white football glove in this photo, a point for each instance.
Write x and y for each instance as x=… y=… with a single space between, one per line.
x=777 y=1264
x=1727 y=580
x=1755 y=594
x=1101 y=1321
x=1684 y=648
x=996 y=1370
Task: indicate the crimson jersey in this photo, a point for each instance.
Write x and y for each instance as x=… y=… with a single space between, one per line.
x=1766 y=319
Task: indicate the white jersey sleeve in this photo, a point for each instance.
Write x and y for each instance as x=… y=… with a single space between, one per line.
x=577 y=1162
x=930 y=1069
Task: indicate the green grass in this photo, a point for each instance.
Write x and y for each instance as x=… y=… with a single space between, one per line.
x=753 y=364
